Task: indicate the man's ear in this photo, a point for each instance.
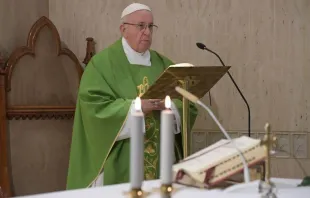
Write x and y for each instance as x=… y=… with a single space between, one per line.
x=122 y=29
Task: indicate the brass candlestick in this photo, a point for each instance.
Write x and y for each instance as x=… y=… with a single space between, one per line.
x=166 y=191
x=266 y=187
x=136 y=193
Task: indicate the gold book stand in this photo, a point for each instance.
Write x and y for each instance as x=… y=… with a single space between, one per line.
x=196 y=79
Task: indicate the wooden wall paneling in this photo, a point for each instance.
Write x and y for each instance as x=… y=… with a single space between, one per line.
x=5 y=180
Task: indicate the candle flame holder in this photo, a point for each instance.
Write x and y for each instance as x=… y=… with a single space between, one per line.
x=136 y=193
x=165 y=190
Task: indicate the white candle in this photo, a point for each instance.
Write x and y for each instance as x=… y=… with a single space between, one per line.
x=167 y=143
x=136 y=147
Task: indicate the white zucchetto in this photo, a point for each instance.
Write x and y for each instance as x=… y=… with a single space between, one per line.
x=133 y=8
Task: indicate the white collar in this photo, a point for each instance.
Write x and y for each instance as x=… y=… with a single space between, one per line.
x=136 y=57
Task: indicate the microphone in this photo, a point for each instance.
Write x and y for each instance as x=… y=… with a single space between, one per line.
x=203 y=47
x=196 y=100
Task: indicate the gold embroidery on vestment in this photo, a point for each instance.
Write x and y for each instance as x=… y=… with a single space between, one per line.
x=142 y=88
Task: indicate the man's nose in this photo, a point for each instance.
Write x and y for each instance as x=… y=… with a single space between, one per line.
x=147 y=30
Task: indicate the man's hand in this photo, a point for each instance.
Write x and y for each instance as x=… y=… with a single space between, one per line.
x=150 y=105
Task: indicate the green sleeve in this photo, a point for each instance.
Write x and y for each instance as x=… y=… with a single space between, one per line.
x=99 y=118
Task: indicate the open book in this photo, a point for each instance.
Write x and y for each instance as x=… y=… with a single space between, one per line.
x=218 y=162
x=182 y=65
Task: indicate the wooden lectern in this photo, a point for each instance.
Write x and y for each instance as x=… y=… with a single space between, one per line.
x=196 y=79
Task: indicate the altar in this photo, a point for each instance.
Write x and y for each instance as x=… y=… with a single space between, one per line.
x=286 y=188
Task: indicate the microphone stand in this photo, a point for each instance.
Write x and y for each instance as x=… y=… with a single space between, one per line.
x=246 y=102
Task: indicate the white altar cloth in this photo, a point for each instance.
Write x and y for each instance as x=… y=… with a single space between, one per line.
x=286 y=189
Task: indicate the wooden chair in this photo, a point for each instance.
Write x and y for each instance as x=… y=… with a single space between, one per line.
x=38 y=88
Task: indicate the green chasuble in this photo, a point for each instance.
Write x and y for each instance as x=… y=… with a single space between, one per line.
x=107 y=88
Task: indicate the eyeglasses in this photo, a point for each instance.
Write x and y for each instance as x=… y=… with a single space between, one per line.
x=143 y=26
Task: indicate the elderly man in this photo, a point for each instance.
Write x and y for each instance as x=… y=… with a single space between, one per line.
x=111 y=81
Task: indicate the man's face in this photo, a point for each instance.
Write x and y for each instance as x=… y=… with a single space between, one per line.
x=137 y=30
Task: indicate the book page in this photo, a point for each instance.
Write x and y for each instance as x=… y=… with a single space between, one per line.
x=208 y=149
x=182 y=65
x=215 y=154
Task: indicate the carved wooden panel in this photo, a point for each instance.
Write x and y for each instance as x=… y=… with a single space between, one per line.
x=39 y=154
x=38 y=90
x=43 y=69
x=90 y=50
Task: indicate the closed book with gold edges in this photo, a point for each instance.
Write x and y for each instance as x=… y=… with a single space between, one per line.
x=220 y=161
